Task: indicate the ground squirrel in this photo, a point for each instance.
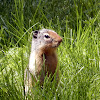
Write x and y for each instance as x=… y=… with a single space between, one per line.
x=43 y=52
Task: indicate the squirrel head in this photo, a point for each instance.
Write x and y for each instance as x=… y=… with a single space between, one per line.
x=46 y=39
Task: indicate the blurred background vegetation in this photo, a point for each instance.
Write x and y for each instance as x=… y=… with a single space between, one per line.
x=17 y=16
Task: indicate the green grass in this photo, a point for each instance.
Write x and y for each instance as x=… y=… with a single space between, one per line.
x=78 y=56
x=79 y=62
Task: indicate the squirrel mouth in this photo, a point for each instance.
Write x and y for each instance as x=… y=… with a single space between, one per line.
x=56 y=45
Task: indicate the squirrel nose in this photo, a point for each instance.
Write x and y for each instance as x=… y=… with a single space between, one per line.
x=60 y=40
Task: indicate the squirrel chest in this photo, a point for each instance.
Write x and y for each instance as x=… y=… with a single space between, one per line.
x=46 y=62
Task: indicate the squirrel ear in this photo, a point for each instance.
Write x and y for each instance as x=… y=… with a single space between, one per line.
x=35 y=33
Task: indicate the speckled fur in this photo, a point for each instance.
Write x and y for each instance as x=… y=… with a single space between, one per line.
x=43 y=52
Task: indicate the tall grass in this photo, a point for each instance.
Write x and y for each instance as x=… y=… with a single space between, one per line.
x=78 y=55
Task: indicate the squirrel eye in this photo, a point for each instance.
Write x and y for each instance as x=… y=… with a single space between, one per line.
x=47 y=36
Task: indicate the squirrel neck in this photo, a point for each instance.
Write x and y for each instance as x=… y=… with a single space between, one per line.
x=46 y=52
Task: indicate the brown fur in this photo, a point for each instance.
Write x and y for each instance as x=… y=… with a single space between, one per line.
x=44 y=44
